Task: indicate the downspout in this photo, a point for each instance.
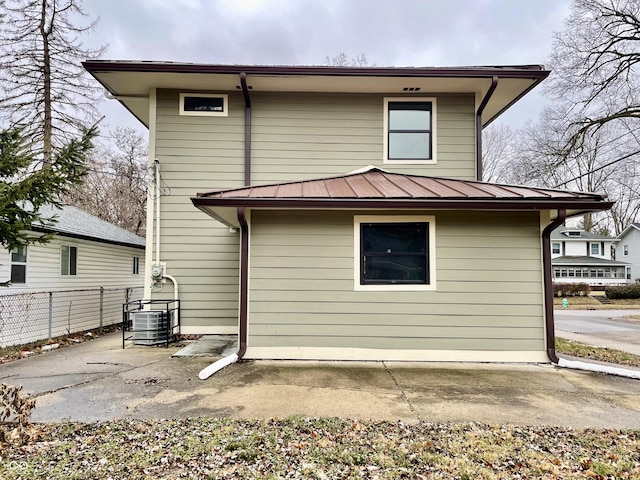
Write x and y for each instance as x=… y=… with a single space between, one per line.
x=247 y=129
x=548 y=285
x=243 y=302
x=483 y=104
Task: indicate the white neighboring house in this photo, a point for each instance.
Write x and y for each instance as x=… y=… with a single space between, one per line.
x=578 y=256
x=629 y=251
x=85 y=253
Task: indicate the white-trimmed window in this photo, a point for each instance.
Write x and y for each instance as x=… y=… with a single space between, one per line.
x=409 y=130
x=394 y=252
x=68 y=260
x=595 y=249
x=204 y=104
x=135 y=266
x=555 y=248
x=19 y=265
x=626 y=249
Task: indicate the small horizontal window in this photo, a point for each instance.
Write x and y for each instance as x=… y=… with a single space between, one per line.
x=204 y=104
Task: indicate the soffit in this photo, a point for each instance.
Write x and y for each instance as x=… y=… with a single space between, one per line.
x=131 y=82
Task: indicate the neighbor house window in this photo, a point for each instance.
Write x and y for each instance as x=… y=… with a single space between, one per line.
x=19 y=265
x=410 y=130
x=626 y=249
x=394 y=252
x=204 y=104
x=595 y=249
x=68 y=260
x=555 y=248
x=135 y=270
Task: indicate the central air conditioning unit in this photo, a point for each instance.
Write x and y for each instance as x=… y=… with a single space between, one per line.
x=150 y=327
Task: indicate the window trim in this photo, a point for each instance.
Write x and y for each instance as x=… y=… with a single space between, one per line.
x=553 y=244
x=69 y=274
x=597 y=245
x=431 y=254
x=225 y=105
x=434 y=134
x=135 y=267
x=626 y=249
x=25 y=264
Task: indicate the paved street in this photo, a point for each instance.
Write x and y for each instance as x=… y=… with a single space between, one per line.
x=606 y=328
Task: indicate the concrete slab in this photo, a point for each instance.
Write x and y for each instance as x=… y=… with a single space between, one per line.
x=99 y=380
x=210 y=346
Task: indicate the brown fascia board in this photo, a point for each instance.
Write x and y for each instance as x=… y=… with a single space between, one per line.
x=439 y=204
x=534 y=72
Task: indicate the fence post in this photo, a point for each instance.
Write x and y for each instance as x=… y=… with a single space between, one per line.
x=50 y=314
x=101 y=307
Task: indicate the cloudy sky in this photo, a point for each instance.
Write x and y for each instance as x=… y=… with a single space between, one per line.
x=388 y=32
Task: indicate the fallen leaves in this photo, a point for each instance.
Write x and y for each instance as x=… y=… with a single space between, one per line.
x=319 y=448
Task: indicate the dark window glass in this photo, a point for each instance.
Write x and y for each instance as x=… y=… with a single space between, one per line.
x=394 y=253
x=203 y=104
x=18 y=274
x=136 y=265
x=68 y=260
x=410 y=127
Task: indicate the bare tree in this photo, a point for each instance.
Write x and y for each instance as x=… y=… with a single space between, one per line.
x=45 y=91
x=343 y=60
x=116 y=188
x=497 y=153
x=595 y=63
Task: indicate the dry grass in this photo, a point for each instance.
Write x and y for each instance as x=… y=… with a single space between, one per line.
x=590 y=303
x=601 y=354
x=320 y=448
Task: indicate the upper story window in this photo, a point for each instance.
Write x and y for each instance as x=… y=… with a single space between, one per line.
x=68 y=260
x=410 y=130
x=19 y=265
x=595 y=249
x=626 y=249
x=204 y=104
x=555 y=248
x=394 y=252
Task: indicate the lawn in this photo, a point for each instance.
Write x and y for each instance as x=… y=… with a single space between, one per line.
x=319 y=448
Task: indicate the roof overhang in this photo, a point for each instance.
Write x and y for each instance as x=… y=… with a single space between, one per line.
x=225 y=209
x=130 y=82
x=376 y=189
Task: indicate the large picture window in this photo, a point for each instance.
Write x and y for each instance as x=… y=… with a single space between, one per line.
x=409 y=130
x=68 y=260
x=394 y=252
x=19 y=265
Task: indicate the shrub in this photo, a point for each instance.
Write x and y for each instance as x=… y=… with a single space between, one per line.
x=571 y=289
x=631 y=290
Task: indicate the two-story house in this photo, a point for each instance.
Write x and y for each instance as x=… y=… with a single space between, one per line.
x=629 y=251
x=578 y=256
x=337 y=213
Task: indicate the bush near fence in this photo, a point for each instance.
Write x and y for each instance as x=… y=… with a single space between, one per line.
x=623 y=291
x=32 y=316
x=571 y=289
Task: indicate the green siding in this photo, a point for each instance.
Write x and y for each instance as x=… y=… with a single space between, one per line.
x=294 y=136
x=488 y=297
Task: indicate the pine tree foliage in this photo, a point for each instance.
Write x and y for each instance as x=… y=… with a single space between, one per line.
x=24 y=190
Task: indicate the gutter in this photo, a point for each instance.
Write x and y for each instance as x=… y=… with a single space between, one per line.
x=247 y=129
x=548 y=285
x=243 y=302
x=483 y=104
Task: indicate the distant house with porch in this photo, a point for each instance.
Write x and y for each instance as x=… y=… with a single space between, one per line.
x=578 y=256
x=629 y=251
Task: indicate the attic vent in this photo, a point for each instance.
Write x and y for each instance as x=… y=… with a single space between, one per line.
x=411 y=89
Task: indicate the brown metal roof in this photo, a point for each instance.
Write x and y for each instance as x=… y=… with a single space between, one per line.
x=377 y=188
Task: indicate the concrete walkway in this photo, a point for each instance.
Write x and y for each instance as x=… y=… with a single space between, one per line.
x=98 y=380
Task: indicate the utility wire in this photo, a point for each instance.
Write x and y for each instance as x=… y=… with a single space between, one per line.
x=599 y=168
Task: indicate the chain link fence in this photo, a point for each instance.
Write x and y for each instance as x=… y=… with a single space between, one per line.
x=31 y=316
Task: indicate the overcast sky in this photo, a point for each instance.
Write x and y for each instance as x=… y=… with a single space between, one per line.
x=286 y=32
